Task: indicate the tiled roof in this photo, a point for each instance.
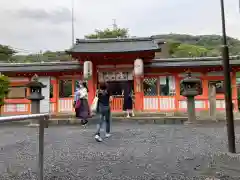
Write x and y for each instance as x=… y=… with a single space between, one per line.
x=115 y=45
x=156 y=63
x=192 y=62
x=40 y=67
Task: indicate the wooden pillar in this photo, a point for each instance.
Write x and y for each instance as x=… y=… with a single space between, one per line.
x=55 y=95
x=56 y=90
x=29 y=102
x=205 y=90
x=177 y=92
x=138 y=91
x=234 y=91
x=92 y=85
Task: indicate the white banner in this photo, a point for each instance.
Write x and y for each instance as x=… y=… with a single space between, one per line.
x=45 y=103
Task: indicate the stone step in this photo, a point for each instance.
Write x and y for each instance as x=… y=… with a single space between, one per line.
x=121 y=114
x=204 y=114
x=143 y=120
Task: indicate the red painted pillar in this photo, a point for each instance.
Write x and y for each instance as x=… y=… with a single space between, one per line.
x=92 y=84
x=138 y=91
x=177 y=91
x=205 y=94
x=234 y=91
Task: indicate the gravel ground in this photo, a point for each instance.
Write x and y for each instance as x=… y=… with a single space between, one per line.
x=134 y=151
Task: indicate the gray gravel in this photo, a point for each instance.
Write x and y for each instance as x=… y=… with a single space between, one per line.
x=133 y=152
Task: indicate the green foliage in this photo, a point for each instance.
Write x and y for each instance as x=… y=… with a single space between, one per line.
x=6 y=53
x=4 y=88
x=47 y=56
x=9 y=55
x=108 y=33
x=183 y=45
x=188 y=50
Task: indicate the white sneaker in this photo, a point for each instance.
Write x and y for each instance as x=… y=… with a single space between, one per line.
x=98 y=138
x=107 y=135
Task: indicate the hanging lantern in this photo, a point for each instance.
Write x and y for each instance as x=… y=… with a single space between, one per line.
x=138 y=67
x=87 y=70
x=138 y=73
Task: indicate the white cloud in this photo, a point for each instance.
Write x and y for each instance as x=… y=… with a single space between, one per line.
x=41 y=25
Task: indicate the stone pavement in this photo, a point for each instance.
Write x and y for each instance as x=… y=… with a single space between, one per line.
x=135 y=151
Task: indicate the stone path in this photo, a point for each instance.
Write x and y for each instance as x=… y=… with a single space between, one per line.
x=133 y=152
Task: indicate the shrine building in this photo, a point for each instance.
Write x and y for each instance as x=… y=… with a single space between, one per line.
x=157 y=90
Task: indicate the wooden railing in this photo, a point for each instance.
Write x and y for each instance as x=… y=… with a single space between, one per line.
x=43 y=122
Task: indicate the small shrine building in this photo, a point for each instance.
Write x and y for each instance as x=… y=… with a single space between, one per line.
x=158 y=90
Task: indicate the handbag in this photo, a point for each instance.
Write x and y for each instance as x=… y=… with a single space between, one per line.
x=77 y=104
x=94 y=105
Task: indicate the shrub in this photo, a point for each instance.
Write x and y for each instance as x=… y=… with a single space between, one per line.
x=4 y=88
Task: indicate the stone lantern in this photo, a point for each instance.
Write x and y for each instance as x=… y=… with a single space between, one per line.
x=191 y=87
x=35 y=96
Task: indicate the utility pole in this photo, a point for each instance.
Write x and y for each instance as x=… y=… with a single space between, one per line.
x=73 y=35
x=227 y=85
x=114 y=24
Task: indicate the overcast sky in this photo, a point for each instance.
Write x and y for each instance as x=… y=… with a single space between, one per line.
x=35 y=25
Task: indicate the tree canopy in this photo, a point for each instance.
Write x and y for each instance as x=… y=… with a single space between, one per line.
x=47 y=56
x=188 y=50
x=6 y=53
x=109 y=33
x=183 y=45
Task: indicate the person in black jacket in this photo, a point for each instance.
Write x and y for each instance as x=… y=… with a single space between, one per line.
x=128 y=102
x=104 y=109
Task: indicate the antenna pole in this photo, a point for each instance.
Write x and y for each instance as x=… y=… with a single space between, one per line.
x=73 y=35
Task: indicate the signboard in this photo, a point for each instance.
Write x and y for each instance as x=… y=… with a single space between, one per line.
x=121 y=76
x=114 y=76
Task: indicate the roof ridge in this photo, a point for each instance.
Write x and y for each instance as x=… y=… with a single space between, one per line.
x=194 y=59
x=131 y=39
x=41 y=63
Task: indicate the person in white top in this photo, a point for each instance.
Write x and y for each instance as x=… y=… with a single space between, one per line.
x=81 y=104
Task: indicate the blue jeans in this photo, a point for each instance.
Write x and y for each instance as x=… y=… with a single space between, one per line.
x=105 y=114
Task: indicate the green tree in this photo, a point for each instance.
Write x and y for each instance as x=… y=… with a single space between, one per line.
x=212 y=43
x=6 y=53
x=173 y=47
x=55 y=56
x=48 y=56
x=188 y=50
x=4 y=89
x=109 y=33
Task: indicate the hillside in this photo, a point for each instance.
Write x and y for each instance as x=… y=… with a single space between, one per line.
x=184 y=45
x=181 y=45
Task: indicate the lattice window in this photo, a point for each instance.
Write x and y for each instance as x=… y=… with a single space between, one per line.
x=150 y=87
x=65 y=88
x=167 y=86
